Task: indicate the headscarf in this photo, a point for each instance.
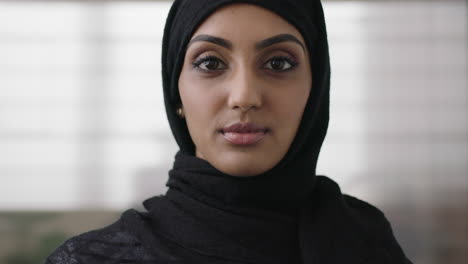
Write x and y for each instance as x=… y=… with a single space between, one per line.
x=292 y=179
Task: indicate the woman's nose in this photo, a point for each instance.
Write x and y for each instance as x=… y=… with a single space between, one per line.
x=245 y=91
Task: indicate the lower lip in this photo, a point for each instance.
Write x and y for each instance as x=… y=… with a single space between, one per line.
x=244 y=139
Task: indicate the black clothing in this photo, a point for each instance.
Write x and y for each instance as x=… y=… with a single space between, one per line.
x=336 y=228
x=285 y=215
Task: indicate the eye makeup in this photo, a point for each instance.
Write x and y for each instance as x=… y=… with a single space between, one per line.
x=208 y=63
x=281 y=64
x=276 y=59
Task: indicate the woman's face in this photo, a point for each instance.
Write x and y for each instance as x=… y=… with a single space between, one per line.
x=244 y=85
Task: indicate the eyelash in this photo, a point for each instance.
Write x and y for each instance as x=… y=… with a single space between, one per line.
x=291 y=61
x=287 y=59
x=196 y=64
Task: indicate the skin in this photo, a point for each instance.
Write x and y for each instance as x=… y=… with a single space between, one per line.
x=233 y=78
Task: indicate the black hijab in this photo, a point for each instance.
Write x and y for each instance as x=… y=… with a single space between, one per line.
x=291 y=181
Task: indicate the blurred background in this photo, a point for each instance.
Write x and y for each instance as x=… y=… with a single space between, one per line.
x=83 y=132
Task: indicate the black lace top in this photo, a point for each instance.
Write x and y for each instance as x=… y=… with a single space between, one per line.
x=340 y=229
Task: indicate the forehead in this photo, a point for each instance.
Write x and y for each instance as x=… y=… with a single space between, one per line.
x=245 y=22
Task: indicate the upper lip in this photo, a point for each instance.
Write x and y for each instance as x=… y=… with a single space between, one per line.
x=244 y=128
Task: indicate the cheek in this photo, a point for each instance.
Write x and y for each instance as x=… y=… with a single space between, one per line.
x=202 y=104
x=196 y=91
x=291 y=97
x=289 y=104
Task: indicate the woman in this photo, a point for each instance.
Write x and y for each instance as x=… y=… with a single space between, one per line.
x=246 y=86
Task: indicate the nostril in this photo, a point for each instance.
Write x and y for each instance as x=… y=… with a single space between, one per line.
x=245 y=103
x=245 y=108
x=245 y=96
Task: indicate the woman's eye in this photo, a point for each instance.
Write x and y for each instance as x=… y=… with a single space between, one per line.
x=209 y=63
x=280 y=64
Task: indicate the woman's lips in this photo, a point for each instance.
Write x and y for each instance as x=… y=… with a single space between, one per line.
x=244 y=133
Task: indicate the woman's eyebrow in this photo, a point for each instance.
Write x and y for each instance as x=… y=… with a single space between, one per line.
x=260 y=45
x=215 y=40
x=278 y=39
